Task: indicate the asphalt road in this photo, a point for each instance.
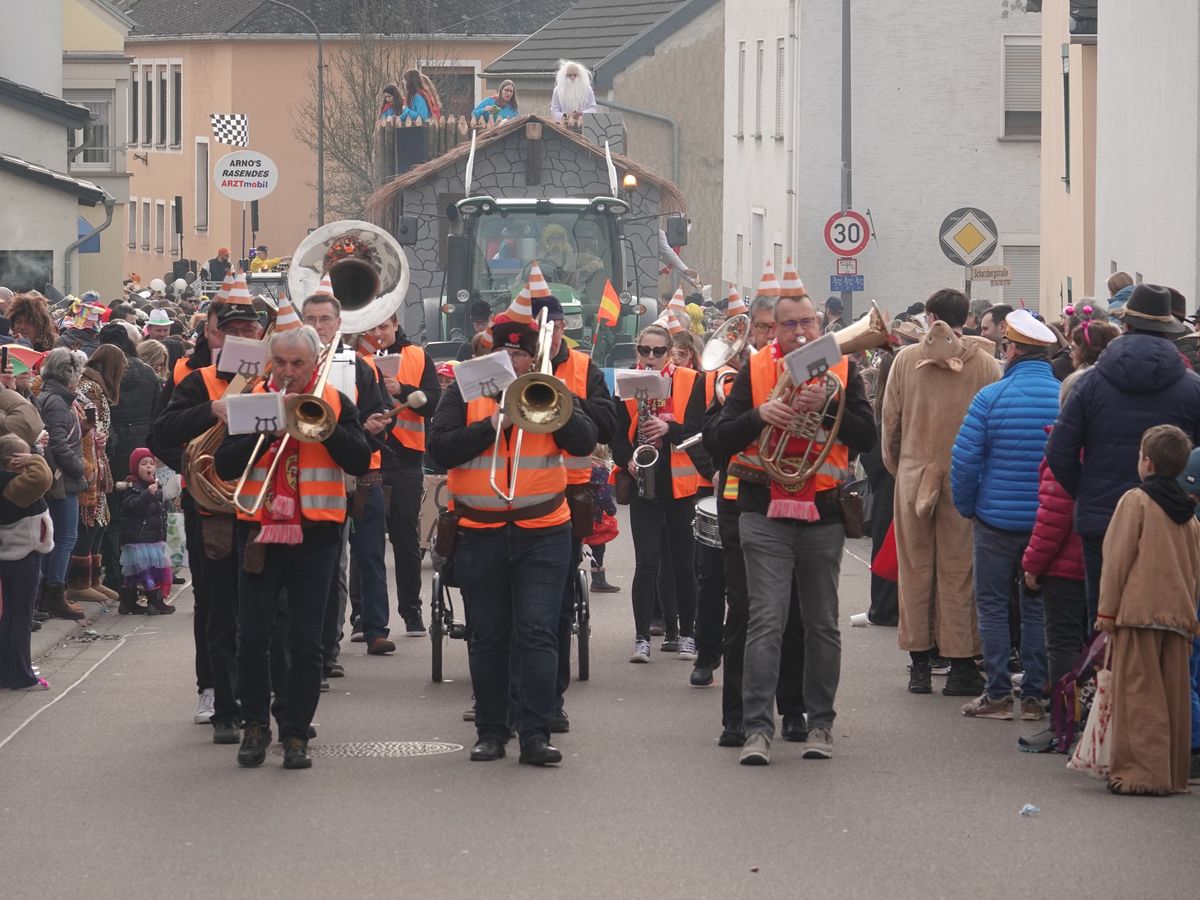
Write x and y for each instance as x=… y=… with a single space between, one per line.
x=107 y=789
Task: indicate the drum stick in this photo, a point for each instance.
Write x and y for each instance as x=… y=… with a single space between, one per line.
x=415 y=400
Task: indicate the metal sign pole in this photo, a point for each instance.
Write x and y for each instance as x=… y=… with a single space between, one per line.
x=967 y=282
x=847 y=296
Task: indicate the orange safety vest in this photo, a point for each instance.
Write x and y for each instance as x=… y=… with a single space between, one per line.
x=181 y=370
x=685 y=480
x=540 y=476
x=764 y=374
x=322 y=486
x=212 y=382
x=573 y=373
x=377 y=456
x=710 y=391
x=409 y=429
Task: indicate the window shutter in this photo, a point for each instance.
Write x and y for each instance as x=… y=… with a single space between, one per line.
x=741 y=89
x=741 y=258
x=1022 y=77
x=778 y=260
x=780 y=86
x=1026 y=277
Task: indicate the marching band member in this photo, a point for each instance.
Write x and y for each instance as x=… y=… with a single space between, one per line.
x=352 y=375
x=511 y=558
x=196 y=405
x=402 y=466
x=583 y=379
x=672 y=502
x=293 y=543
x=791 y=536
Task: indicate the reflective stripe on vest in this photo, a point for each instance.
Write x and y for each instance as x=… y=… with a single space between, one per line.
x=684 y=479
x=322 y=482
x=573 y=372
x=764 y=374
x=409 y=429
x=540 y=475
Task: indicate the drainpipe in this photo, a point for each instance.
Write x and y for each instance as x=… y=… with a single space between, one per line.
x=110 y=203
x=657 y=117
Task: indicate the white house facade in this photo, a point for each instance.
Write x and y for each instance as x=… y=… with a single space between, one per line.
x=945 y=115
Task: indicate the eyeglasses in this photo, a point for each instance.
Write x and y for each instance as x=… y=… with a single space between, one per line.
x=763 y=327
x=656 y=352
x=793 y=324
x=320 y=320
x=1004 y=345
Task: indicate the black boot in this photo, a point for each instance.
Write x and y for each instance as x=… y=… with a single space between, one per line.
x=156 y=606
x=964 y=680
x=129 y=605
x=600 y=584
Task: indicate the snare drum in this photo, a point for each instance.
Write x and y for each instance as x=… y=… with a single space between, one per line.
x=704 y=526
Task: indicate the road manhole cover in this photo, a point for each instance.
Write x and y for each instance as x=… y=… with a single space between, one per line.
x=379 y=749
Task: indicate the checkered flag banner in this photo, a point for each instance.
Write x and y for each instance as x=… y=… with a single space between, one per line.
x=231 y=128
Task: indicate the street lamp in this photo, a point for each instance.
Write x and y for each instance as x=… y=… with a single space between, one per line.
x=320 y=109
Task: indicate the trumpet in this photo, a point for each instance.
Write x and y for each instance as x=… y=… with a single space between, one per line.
x=645 y=455
x=308 y=419
x=536 y=402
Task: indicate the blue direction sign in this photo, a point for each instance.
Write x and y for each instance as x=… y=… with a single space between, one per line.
x=839 y=283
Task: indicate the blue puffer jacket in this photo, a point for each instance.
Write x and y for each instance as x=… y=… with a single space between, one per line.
x=995 y=460
x=1139 y=381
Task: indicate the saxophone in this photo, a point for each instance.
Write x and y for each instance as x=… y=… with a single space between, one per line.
x=645 y=455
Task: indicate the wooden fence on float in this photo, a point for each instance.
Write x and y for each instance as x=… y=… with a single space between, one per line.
x=402 y=144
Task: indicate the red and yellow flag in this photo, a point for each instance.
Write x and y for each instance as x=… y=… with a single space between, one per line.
x=610 y=305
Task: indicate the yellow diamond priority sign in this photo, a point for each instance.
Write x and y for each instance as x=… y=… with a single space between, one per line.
x=968 y=236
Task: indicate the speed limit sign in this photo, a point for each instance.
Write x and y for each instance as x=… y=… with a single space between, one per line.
x=847 y=233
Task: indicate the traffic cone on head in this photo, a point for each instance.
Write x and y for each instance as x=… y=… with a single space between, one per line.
x=791 y=286
x=239 y=294
x=285 y=316
x=668 y=321
x=537 y=282
x=679 y=310
x=226 y=286
x=768 y=285
x=736 y=305
x=521 y=308
x=325 y=288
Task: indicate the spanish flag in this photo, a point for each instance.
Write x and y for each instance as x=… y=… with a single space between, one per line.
x=610 y=305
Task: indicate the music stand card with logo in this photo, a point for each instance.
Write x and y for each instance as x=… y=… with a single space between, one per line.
x=242 y=356
x=389 y=365
x=813 y=359
x=255 y=413
x=484 y=376
x=641 y=385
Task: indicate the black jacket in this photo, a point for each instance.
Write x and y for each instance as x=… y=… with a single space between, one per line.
x=452 y=442
x=63 y=453
x=143 y=516
x=132 y=416
x=599 y=404
x=740 y=424
x=399 y=456
x=347 y=445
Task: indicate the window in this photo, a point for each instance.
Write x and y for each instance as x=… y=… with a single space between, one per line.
x=1026 y=277
x=148 y=106
x=176 y=105
x=134 y=109
x=26 y=270
x=757 y=245
x=202 y=177
x=97 y=137
x=162 y=106
x=174 y=234
x=741 y=90
x=160 y=230
x=758 y=89
x=131 y=214
x=741 y=263
x=777 y=256
x=780 y=86
x=1022 y=85
x=455 y=86
x=145 y=225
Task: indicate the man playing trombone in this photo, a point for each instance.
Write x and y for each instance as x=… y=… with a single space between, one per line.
x=292 y=507
x=511 y=556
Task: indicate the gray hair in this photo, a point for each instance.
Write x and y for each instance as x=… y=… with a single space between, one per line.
x=304 y=337
x=64 y=366
x=762 y=304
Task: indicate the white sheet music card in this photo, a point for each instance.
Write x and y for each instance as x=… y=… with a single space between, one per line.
x=812 y=359
x=388 y=365
x=255 y=413
x=641 y=385
x=242 y=356
x=484 y=376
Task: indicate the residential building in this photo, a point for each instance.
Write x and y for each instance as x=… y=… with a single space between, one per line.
x=41 y=200
x=945 y=115
x=192 y=59
x=657 y=63
x=1068 y=261
x=96 y=76
x=1147 y=146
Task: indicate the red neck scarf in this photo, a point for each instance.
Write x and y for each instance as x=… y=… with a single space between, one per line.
x=791 y=503
x=658 y=408
x=281 y=517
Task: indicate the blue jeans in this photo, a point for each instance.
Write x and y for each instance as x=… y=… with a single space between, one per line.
x=367 y=539
x=64 y=514
x=997 y=567
x=512 y=584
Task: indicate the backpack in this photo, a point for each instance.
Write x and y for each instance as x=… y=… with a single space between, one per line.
x=1072 y=696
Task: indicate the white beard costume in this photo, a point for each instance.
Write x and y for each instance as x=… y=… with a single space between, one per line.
x=572 y=93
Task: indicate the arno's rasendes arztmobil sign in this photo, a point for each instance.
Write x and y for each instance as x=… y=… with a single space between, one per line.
x=245 y=175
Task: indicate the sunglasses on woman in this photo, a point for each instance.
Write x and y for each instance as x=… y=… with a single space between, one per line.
x=657 y=352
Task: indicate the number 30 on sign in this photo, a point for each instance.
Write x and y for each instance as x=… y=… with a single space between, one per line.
x=847 y=233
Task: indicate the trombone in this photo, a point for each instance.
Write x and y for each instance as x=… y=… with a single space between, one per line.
x=536 y=402
x=308 y=419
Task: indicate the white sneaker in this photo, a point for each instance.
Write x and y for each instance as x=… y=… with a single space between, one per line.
x=687 y=648
x=756 y=751
x=204 y=710
x=819 y=744
x=641 y=652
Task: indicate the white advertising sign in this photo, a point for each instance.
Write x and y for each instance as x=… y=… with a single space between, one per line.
x=245 y=175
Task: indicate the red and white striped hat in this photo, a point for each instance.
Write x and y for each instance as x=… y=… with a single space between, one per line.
x=768 y=286
x=285 y=316
x=537 y=282
x=736 y=306
x=521 y=308
x=226 y=286
x=325 y=288
x=791 y=286
x=239 y=294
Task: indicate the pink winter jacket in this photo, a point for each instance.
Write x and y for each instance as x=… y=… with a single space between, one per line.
x=1054 y=547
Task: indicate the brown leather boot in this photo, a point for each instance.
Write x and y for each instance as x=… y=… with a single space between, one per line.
x=79 y=581
x=98 y=578
x=56 y=604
